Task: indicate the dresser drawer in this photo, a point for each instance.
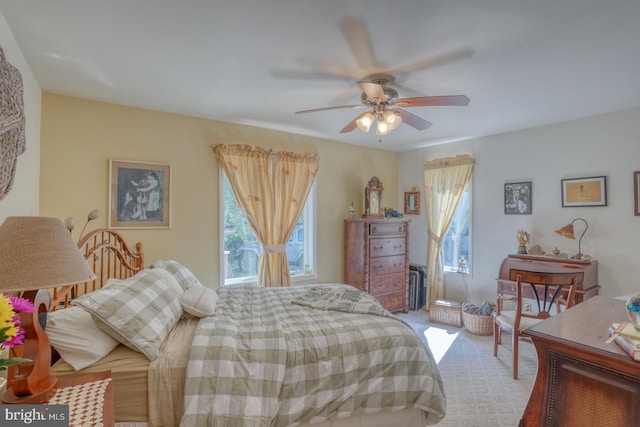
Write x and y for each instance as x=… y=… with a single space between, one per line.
x=383 y=284
x=388 y=265
x=381 y=228
x=394 y=301
x=385 y=247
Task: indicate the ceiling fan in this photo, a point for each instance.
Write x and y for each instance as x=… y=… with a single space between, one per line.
x=386 y=109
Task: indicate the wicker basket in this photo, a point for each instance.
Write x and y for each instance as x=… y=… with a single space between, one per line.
x=476 y=324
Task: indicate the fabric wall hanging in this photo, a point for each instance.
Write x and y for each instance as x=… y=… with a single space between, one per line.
x=12 y=123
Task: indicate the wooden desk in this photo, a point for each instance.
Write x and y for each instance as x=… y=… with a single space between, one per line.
x=586 y=273
x=581 y=380
x=90 y=399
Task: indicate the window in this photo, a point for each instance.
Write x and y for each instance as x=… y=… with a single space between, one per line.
x=457 y=242
x=241 y=250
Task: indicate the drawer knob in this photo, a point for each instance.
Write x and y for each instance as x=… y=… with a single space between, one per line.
x=379 y=267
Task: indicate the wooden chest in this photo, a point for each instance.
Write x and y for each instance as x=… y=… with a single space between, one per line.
x=377 y=259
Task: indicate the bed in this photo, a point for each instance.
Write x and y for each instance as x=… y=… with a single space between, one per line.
x=183 y=354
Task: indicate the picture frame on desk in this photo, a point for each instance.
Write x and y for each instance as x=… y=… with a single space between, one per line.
x=584 y=192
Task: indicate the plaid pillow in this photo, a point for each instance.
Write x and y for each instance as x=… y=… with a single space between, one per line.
x=139 y=312
x=182 y=274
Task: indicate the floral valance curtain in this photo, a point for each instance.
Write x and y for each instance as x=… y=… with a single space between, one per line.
x=445 y=181
x=271 y=189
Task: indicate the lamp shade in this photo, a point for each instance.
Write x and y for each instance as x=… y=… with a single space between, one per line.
x=566 y=231
x=38 y=252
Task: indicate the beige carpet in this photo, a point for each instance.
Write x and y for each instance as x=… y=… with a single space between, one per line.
x=479 y=387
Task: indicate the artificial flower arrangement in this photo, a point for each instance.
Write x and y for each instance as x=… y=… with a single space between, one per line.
x=11 y=334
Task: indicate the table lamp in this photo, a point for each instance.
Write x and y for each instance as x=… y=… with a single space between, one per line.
x=36 y=253
x=567 y=231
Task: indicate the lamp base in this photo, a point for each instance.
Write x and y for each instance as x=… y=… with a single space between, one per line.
x=577 y=256
x=43 y=394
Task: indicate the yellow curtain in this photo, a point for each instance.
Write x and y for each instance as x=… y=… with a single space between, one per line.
x=271 y=189
x=445 y=181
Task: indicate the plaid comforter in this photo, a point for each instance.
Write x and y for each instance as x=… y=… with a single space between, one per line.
x=263 y=361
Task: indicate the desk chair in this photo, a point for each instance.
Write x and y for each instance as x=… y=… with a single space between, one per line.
x=549 y=292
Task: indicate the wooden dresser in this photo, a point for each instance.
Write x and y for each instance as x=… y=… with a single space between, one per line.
x=582 y=380
x=586 y=272
x=377 y=259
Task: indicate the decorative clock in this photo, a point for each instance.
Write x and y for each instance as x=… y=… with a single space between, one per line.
x=373 y=199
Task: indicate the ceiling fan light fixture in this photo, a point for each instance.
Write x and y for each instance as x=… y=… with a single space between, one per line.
x=393 y=119
x=382 y=127
x=364 y=123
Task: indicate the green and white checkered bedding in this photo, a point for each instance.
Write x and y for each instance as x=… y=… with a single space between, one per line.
x=263 y=361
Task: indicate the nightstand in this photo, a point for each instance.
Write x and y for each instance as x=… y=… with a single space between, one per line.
x=90 y=399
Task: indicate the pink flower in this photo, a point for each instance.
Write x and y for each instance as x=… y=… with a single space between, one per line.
x=21 y=305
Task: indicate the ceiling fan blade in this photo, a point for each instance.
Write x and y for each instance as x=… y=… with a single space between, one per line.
x=433 y=61
x=413 y=120
x=373 y=91
x=315 y=75
x=357 y=36
x=429 y=101
x=338 y=107
x=352 y=124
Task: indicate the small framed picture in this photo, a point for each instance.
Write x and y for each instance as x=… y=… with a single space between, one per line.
x=139 y=195
x=590 y=191
x=412 y=202
x=517 y=198
x=636 y=193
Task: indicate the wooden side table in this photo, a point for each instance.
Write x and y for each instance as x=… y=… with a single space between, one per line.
x=90 y=399
x=582 y=380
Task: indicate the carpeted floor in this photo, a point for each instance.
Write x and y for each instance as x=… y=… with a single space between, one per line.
x=480 y=389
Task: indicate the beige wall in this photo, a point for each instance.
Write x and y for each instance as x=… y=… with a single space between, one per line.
x=79 y=137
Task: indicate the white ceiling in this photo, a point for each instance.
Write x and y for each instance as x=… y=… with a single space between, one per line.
x=521 y=63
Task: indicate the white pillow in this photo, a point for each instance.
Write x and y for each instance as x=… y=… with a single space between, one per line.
x=76 y=337
x=139 y=311
x=199 y=301
x=182 y=274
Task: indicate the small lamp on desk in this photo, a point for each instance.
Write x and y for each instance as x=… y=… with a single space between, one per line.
x=36 y=253
x=567 y=231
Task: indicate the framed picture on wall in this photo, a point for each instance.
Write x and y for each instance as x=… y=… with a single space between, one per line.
x=139 y=195
x=412 y=202
x=591 y=191
x=636 y=193
x=517 y=198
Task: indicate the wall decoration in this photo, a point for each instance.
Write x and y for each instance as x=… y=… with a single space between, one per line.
x=139 y=195
x=412 y=202
x=636 y=193
x=12 y=123
x=517 y=198
x=590 y=191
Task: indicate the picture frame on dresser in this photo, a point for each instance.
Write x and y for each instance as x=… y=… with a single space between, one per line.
x=139 y=194
x=584 y=192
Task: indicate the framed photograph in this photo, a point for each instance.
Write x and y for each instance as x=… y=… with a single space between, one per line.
x=412 y=203
x=517 y=198
x=636 y=193
x=139 y=194
x=591 y=191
